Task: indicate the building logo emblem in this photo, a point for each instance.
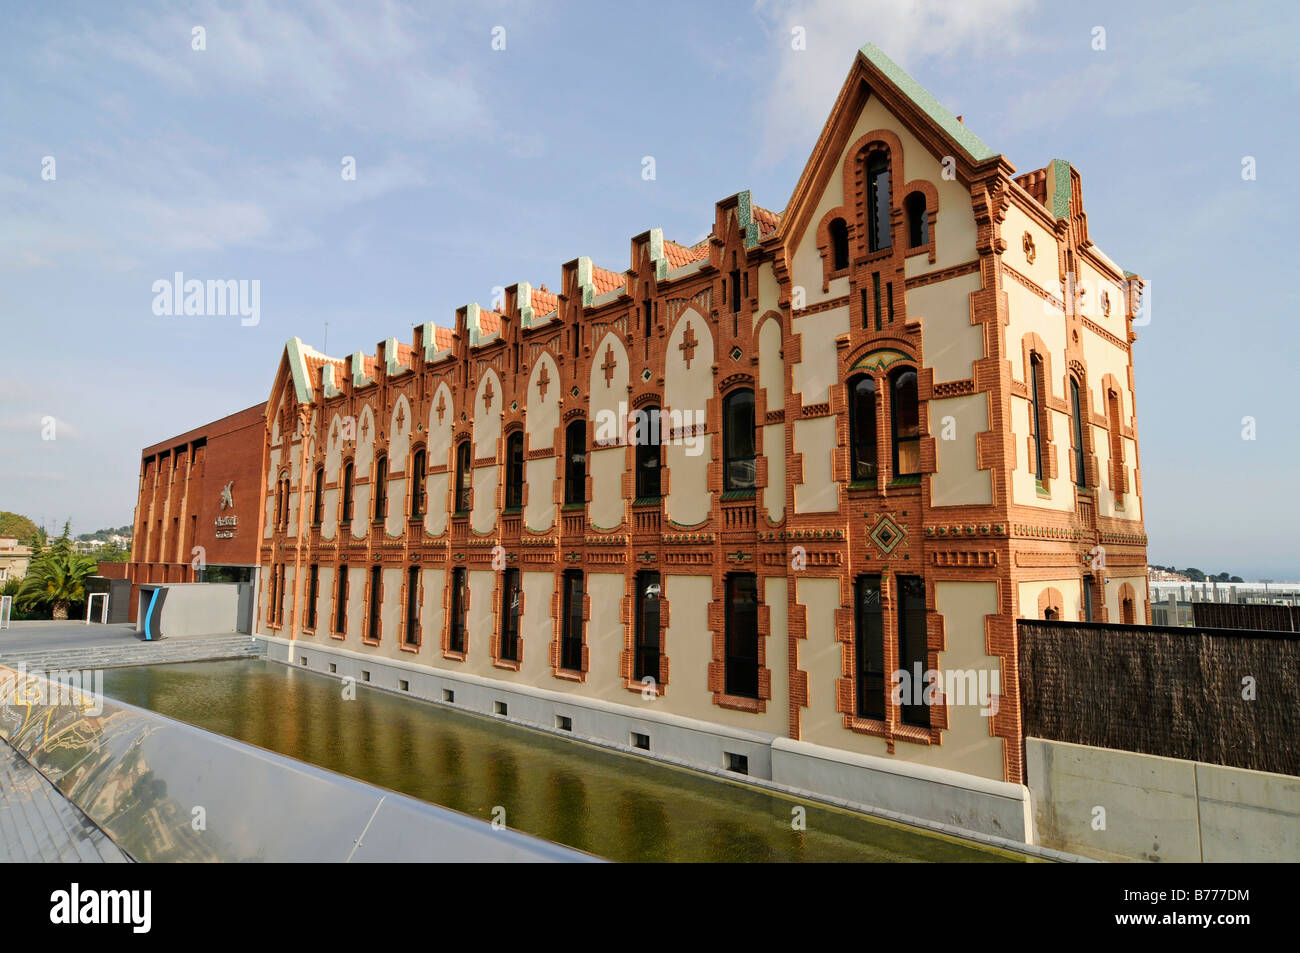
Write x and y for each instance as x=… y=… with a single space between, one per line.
x=227 y=495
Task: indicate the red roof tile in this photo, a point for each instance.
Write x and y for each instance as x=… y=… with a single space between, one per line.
x=767 y=221
x=544 y=302
x=489 y=322
x=606 y=281
x=679 y=255
x=443 y=338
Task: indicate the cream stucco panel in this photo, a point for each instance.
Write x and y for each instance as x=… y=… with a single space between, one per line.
x=815 y=439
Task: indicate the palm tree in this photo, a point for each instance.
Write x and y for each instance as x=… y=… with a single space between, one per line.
x=56 y=577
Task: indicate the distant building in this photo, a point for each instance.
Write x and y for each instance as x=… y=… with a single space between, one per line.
x=14 y=558
x=1164 y=575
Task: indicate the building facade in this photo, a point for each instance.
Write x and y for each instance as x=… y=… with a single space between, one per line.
x=198 y=515
x=742 y=483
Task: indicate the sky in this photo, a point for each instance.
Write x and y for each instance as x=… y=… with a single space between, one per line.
x=494 y=141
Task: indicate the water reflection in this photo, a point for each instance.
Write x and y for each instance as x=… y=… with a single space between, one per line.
x=617 y=806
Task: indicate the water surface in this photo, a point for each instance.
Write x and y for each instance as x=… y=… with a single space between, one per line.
x=614 y=805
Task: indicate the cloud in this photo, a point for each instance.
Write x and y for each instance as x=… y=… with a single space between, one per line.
x=34 y=425
x=804 y=84
x=384 y=68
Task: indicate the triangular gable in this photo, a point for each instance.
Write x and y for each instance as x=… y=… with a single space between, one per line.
x=874 y=73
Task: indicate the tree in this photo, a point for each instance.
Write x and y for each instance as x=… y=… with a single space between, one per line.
x=17 y=526
x=56 y=577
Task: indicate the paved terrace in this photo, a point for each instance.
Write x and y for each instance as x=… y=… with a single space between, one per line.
x=75 y=645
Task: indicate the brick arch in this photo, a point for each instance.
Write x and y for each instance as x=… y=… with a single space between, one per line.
x=927 y=189
x=1077 y=371
x=1050 y=599
x=854 y=173
x=1031 y=344
x=1127 y=604
x=829 y=272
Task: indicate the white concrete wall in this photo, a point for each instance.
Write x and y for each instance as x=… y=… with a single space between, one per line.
x=1120 y=805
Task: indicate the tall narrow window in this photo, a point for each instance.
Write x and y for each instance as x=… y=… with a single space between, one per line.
x=341 y=601
x=381 y=488
x=735 y=290
x=862 y=429
x=515 y=470
x=510 y=593
x=647 y=437
x=419 y=478
x=1088 y=611
x=918 y=222
x=280 y=508
x=318 y=497
x=462 y=478
x=738 y=459
x=1076 y=434
x=913 y=647
x=1035 y=414
x=571 y=624
x=459 y=605
x=906 y=422
x=869 y=647
x=412 y=634
x=741 y=637
x=1116 y=445
x=347 y=493
x=575 y=462
x=646 y=663
x=376 y=603
x=878 y=201
x=313 y=594
x=839 y=235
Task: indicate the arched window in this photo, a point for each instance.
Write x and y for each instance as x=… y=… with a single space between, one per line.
x=906 y=422
x=462 y=477
x=515 y=470
x=862 y=429
x=738 y=459
x=878 y=237
x=839 y=233
x=347 y=492
x=1035 y=414
x=575 y=463
x=419 y=474
x=1076 y=434
x=381 y=488
x=918 y=222
x=647 y=438
x=318 y=497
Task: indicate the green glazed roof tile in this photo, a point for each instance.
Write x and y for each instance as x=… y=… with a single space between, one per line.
x=914 y=91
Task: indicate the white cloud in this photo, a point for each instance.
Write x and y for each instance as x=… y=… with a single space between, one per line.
x=805 y=82
x=379 y=69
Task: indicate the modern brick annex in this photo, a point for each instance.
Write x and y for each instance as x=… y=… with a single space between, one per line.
x=889 y=427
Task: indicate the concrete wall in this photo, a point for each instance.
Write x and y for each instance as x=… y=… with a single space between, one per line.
x=1120 y=805
x=193 y=608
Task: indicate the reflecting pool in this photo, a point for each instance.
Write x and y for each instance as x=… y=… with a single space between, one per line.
x=613 y=805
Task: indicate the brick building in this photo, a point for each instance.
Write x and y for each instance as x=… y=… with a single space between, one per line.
x=891 y=419
x=198 y=516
